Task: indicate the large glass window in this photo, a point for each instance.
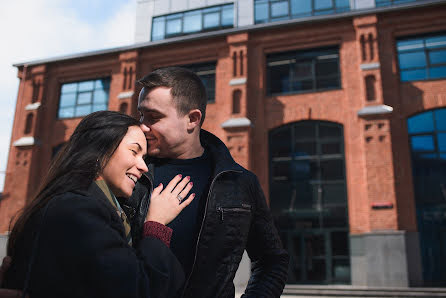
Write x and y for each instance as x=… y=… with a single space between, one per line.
x=206 y=72
x=308 y=200
x=303 y=71
x=199 y=20
x=82 y=98
x=427 y=135
x=380 y=3
x=422 y=57
x=266 y=11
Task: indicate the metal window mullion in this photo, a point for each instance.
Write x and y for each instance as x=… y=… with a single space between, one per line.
x=289 y=9
x=291 y=74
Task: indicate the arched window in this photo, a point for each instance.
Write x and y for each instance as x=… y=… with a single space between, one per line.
x=308 y=200
x=427 y=135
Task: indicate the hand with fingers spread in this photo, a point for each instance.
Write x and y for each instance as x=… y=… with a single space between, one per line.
x=166 y=204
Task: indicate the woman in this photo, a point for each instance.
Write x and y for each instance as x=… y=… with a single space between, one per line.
x=74 y=240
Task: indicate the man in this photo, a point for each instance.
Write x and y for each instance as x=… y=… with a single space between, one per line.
x=229 y=213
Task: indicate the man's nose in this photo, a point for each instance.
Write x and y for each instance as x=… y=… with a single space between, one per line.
x=144 y=128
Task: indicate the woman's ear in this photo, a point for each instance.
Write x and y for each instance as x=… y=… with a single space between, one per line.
x=194 y=119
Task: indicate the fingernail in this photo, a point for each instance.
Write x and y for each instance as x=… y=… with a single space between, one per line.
x=191 y=183
x=193 y=195
x=188 y=177
x=160 y=184
x=179 y=175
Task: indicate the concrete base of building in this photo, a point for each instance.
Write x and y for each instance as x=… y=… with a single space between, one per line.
x=386 y=259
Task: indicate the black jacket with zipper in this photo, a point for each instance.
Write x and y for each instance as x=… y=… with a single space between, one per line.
x=236 y=218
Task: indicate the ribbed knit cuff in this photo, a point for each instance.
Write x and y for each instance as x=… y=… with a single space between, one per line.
x=157 y=230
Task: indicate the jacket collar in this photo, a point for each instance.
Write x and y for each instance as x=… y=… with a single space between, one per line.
x=221 y=157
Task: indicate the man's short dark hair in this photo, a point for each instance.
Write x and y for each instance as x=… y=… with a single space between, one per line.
x=187 y=89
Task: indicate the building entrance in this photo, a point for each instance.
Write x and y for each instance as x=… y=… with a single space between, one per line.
x=309 y=201
x=427 y=133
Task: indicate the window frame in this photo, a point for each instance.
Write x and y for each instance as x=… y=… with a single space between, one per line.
x=314 y=12
x=304 y=56
x=425 y=50
x=202 y=11
x=78 y=92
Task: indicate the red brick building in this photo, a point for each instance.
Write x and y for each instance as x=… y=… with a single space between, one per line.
x=338 y=116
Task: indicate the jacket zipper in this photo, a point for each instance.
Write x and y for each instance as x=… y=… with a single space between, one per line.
x=202 y=225
x=233 y=209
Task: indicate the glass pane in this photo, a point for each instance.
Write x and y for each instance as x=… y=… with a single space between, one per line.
x=412 y=59
x=342 y=4
x=228 y=15
x=339 y=247
x=442 y=142
x=334 y=194
x=421 y=123
x=173 y=26
x=69 y=88
x=436 y=42
x=211 y=20
x=422 y=143
x=302 y=85
x=323 y=4
x=413 y=75
x=158 y=28
x=303 y=70
x=335 y=216
x=341 y=270
x=281 y=143
x=304 y=149
x=440 y=119
x=329 y=131
x=331 y=148
x=305 y=130
x=86 y=86
x=315 y=245
x=192 y=22
x=100 y=96
x=99 y=107
x=261 y=11
x=66 y=112
x=301 y=7
x=281 y=170
x=327 y=67
x=278 y=78
x=68 y=99
x=302 y=170
x=83 y=110
x=436 y=57
x=279 y=9
x=332 y=169
x=316 y=270
x=84 y=98
x=102 y=84
x=410 y=44
x=437 y=72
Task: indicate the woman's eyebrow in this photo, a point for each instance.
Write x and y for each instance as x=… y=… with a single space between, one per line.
x=139 y=146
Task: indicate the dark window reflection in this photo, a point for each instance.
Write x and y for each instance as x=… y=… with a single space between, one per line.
x=301 y=71
x=308 y=200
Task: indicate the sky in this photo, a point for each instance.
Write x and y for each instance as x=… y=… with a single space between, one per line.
x=38 y=29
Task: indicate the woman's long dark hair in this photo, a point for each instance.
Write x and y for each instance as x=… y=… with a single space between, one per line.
x=78 y=163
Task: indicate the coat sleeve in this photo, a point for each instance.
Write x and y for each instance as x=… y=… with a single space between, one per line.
x=90 y=242
x=269 y=268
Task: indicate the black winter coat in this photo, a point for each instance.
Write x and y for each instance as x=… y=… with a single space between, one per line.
x=83 y=252
x=236 y=218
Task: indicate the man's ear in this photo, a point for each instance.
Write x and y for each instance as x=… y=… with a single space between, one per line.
x=194 y=117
